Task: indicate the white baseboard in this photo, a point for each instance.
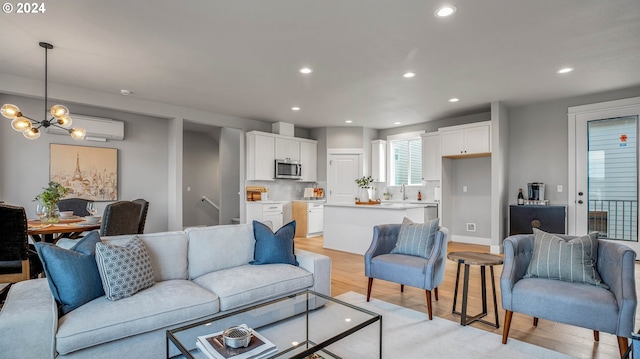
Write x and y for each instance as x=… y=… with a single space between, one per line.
x=471 y=240
x=496 y=249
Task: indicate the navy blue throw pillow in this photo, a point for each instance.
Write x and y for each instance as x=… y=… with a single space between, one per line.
x=72 y=273
x=274 y=247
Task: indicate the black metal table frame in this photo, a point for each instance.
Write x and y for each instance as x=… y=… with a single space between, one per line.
x=464 y=318
x=311 y=347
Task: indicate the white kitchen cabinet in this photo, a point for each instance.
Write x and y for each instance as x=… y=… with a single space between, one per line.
x=264 y=148
x=263 y=212
x=431 y=157
x=379 y=160
x=309 y=160
x=287 y=149
x=273 y=212
x=260 y=157
x=309 y=217
x=466 y=140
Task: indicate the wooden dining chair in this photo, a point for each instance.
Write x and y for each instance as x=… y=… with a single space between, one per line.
x=17 y=261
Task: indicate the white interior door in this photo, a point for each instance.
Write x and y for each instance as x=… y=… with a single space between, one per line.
x=343 y=170
x=603 y=195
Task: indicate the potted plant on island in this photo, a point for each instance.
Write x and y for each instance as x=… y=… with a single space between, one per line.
x=49 y=198
x=364 y=184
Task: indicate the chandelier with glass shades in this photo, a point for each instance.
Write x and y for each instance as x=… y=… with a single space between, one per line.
x=29 y=127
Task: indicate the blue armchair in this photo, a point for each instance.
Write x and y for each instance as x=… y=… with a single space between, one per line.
x=424 y=273
x=608 y=310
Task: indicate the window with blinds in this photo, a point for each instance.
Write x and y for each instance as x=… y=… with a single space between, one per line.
x=406 y=161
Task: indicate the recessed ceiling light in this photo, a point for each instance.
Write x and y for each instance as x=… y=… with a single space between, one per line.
x=295 y=108
x=306 y=70
x=446 y=11
x=124 y=92
x=397 y=123
x=454 y=99
x=565 y=70
x=409 y=75
x=348 y=121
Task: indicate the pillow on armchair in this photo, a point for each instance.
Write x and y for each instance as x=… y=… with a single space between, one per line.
x=569 y=260
x=416 y=239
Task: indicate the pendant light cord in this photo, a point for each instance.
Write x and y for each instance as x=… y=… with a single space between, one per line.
x=46 y=84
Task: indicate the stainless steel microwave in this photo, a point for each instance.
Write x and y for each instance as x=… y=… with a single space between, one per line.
x=288 y=169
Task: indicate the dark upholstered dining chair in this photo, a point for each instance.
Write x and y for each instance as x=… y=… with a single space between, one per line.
x=17 y=261
x=423 y=273
x=588 y=306
x=143 y=213
x=77 y=205
x=122 y=217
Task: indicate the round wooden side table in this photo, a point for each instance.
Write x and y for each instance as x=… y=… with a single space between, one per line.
x=483 y=260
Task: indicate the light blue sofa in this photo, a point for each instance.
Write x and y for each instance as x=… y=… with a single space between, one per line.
x=601 y=310
x=199 y=273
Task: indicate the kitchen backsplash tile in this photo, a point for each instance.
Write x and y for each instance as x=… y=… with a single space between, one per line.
x=284 y=190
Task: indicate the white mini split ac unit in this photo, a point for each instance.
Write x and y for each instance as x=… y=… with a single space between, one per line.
x=98 y=129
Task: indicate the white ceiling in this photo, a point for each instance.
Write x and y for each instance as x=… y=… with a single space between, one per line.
x=242 y=57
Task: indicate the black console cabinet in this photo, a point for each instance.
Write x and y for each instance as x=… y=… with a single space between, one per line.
x=551 y=219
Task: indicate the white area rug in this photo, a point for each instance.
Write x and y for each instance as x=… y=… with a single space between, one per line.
x=409 y=334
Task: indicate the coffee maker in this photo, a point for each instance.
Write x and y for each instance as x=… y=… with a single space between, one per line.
x=536 y=191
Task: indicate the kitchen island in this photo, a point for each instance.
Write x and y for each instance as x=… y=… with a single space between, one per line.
x=349 y=227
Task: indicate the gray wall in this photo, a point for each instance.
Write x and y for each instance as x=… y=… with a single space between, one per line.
x=473 y=206
x=538 y=143
x=142 y=159
x=433 y=126
x=230 y=162
x=201 y=177
x=345 y=137
x=320 y=135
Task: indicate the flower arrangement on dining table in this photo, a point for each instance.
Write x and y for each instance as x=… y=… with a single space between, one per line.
x=49 y=198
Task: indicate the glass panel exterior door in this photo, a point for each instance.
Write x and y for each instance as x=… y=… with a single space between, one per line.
x=603 y=170
x=613 y=178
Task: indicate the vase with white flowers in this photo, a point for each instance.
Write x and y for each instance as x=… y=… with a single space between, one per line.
x=365 y=187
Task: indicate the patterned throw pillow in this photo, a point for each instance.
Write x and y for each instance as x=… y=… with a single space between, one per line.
x=274 y=247
x=416 y=239
x=125 y=270
x=72 y=273
x=568 y=260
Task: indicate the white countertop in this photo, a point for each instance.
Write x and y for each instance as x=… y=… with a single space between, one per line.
x=320 y=200
x=383 y=205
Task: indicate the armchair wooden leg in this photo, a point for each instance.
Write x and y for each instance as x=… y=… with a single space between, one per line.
x=429 y=310
x=596 y=335
x=401 y=288
x=507 y=325
x=623 y=345
x=369 y=288
x=435 y=292
x=535 y=321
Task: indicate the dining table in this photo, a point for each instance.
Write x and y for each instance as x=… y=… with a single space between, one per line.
x=71 y=227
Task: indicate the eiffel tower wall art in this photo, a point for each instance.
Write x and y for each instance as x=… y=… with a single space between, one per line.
x=88 y=172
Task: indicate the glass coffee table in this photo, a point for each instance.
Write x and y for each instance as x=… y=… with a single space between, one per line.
x=296 y=325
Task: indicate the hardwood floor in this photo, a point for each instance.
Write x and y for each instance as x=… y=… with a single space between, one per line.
x=348 y=275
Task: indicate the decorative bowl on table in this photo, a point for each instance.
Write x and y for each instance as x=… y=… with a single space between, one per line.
x=66 y=214
x=91 y=219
